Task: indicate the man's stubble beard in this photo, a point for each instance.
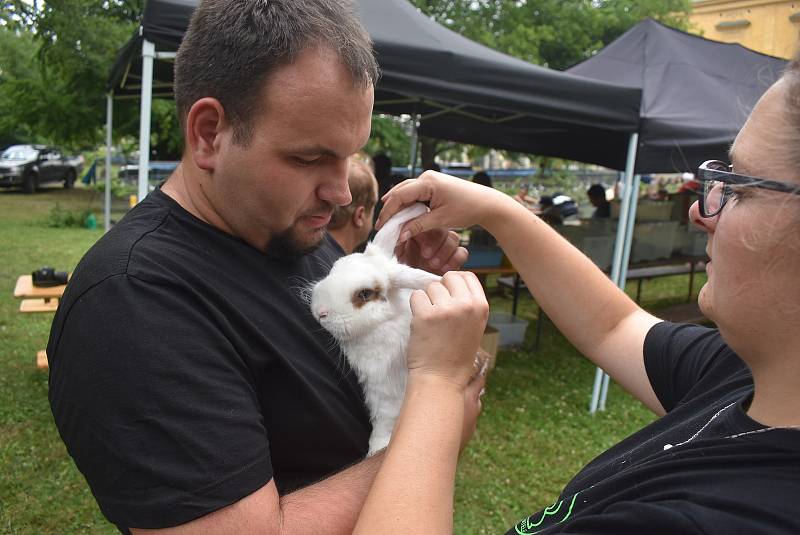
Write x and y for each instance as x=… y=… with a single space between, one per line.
x=287 y=245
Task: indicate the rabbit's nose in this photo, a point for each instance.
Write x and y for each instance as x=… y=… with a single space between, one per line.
x=322 y=313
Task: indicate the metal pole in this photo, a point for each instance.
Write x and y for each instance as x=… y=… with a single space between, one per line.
x=626 y=256
x=626 y=250
x=414 y=139
x=107 y=201
x=148 y=53
x=616 y=264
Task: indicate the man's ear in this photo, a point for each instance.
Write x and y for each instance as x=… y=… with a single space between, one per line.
x=204 y=124
x=359 y=217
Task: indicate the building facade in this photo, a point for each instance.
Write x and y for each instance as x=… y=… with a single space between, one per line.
x=768 y=26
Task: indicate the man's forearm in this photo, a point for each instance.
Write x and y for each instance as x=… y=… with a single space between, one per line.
x=332 y=505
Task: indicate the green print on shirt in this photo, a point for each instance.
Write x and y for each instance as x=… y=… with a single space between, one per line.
x=527 y=525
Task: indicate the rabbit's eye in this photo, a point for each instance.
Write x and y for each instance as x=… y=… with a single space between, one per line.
x=366 y=294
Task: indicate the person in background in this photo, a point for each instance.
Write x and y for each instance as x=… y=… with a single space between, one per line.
x=351 y=225
x=549 y=212
x=482 y=178
x=382 y=167
x=724 y=455
x=597 y=196
x=433 y=166
x=524 y=198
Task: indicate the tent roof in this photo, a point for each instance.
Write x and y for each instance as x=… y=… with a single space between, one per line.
x=464 y=91
x=696 y=93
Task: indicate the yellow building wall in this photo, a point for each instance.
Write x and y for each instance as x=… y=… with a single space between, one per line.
x=768 y=26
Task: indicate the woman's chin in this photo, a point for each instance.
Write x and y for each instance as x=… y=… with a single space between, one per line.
x=704 y=301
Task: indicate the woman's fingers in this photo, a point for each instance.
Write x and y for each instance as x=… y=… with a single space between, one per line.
x=447 y=325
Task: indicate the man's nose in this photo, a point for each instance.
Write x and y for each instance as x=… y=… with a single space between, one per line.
x=336 y=189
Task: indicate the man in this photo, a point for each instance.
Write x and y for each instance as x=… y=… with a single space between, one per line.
x=189 y=381
x=351 y=225
x=597 y=196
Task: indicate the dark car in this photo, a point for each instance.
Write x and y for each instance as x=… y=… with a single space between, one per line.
x=30 y=166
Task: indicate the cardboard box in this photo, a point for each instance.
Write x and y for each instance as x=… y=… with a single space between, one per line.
x=489 y=343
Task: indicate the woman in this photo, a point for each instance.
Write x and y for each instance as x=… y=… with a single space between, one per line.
x=725 y=456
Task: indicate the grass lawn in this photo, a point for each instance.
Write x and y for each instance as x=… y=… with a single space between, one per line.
x=535 y=432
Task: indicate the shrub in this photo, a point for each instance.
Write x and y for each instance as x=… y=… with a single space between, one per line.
x=61 y=218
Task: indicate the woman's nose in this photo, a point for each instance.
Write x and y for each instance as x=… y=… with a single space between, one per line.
x=707 y=224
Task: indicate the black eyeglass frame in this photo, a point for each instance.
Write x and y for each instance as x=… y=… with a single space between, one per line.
x=706 y=175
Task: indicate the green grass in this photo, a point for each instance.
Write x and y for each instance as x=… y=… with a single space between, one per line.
x=534 y=434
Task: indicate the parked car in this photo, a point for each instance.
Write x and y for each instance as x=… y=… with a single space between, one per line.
x=158 y=171
x=30 y=166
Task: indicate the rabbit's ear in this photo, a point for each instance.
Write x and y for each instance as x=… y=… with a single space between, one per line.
x=386 y=238
x=403 y=276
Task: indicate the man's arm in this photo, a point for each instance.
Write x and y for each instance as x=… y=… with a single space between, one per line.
x=330 y=506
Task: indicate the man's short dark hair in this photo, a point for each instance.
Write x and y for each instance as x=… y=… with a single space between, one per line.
x=232 y=47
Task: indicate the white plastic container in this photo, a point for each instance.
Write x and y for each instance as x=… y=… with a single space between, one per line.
x=512 y=329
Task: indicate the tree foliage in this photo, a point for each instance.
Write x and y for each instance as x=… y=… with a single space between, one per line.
x=55 y=58
x=553 y=33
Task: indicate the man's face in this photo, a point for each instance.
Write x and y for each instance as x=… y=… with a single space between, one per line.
x=278 y=192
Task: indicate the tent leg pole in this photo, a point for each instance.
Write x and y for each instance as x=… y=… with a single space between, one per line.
x=598 y=378
x=107 y=197
x=619 y=248
x=148 y=53
x=626 y=250
x=626 y=255
x=604 y=391
x=414 y=138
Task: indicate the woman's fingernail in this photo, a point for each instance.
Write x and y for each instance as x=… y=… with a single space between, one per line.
x=405 y=236
x=435 y=262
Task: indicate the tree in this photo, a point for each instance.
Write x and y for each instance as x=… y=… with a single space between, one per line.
x=553 y=33
x=69 y=46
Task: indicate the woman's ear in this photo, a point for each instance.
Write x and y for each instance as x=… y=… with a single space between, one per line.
x=204 y=124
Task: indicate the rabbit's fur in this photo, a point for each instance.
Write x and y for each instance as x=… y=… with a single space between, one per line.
x=364 y=304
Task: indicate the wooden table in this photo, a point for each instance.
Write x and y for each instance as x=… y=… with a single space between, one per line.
x=37 y=299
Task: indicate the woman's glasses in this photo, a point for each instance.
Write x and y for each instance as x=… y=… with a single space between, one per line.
x=717 y=180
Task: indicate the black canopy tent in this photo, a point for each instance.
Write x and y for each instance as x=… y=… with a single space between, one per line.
x=696 y=93
x=461 y=90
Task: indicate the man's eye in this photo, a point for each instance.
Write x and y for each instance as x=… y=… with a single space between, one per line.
x=306 y=161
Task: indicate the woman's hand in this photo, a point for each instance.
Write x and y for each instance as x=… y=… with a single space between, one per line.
x=446 y=328
x=454 y=202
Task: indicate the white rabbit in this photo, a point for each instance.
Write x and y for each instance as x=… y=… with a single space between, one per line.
x=364 y=304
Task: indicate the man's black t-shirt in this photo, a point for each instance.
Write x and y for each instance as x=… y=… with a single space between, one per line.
x=704 y=468
x=186 y=371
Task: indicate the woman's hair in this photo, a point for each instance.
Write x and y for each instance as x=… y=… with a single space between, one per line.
x=791 y=77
